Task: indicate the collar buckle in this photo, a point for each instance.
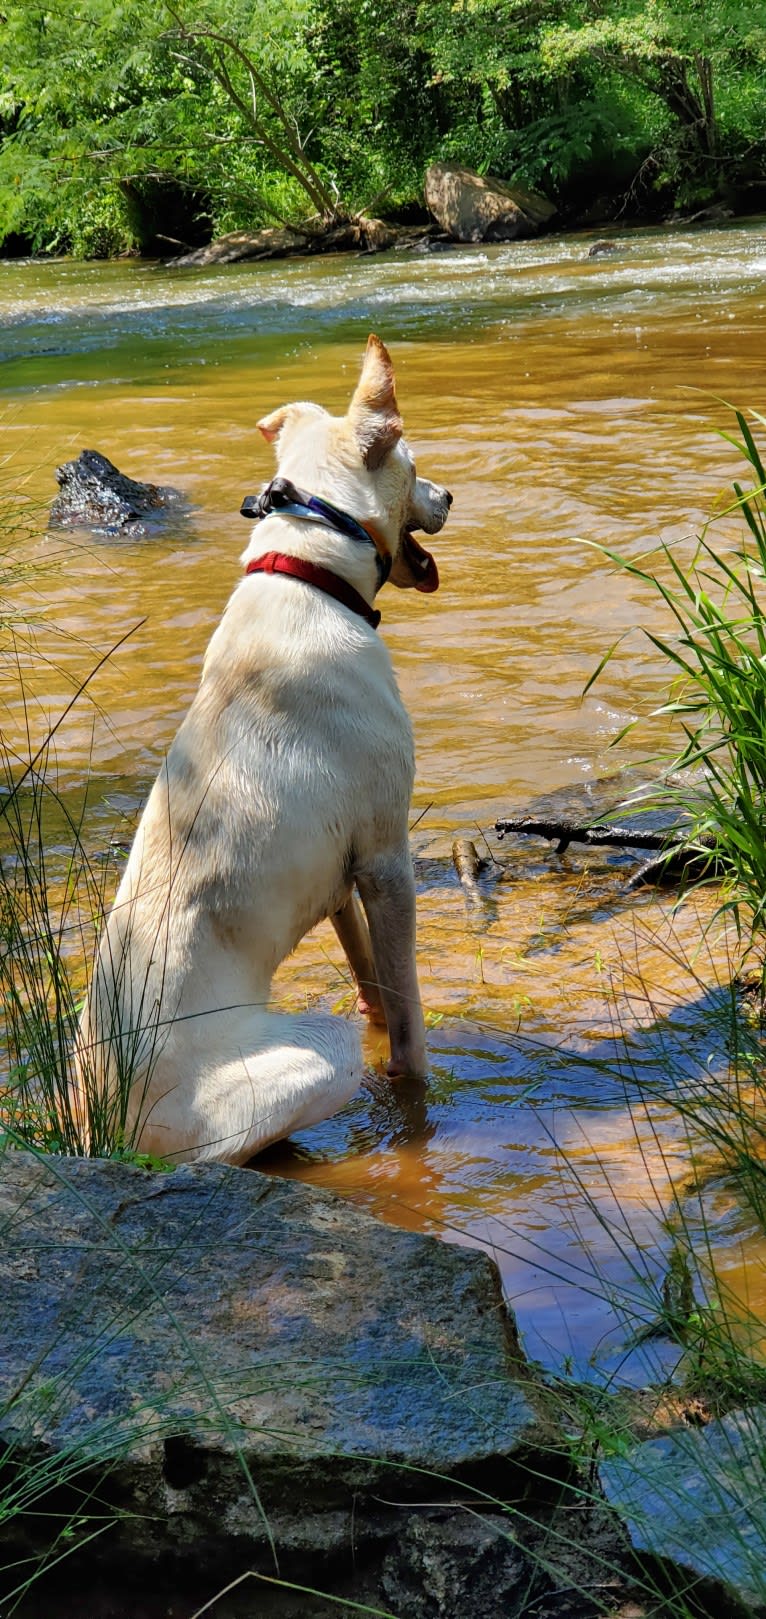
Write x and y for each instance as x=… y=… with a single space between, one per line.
x=282 y=496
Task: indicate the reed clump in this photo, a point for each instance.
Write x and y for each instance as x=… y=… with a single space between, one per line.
x=713 y=778
x=54 y=890
x=716 y=777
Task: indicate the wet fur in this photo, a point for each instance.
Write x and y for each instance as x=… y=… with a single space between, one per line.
x=285 y=791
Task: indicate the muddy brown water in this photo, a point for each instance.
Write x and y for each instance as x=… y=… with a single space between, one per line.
x=558 y=398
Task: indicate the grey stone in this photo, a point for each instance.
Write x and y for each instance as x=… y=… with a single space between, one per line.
x=234 y=1361
x=473 y=207
x=696 y=1500
x=93 y=494
x=442 y=1567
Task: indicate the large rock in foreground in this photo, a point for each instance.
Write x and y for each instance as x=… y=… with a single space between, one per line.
x=240 y=1369
x=473 y=207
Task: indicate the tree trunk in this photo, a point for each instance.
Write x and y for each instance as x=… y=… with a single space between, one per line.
x=212 y=52
x=704 y=69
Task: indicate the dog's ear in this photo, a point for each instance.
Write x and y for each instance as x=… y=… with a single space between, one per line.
x=373 y=412
x=271 y=426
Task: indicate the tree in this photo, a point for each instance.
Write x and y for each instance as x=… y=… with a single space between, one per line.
x=306 y=111
x=675 y=52
x=103 y=100
x=240 y=58
x=529 y=116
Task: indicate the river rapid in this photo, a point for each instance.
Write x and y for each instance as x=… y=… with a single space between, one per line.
x=562 y=399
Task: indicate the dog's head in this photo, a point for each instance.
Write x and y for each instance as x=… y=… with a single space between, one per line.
x=361 y=463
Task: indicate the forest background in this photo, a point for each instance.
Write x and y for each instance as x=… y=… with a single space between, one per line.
x=134 y=125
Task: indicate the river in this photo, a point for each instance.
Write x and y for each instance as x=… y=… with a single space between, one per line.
x=561 y=399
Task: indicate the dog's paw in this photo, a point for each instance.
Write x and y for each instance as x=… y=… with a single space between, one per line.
x=402 y=1068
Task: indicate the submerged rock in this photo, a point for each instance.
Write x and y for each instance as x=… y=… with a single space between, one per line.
x=694 y=1504
x=93 y=494
x=473 y=207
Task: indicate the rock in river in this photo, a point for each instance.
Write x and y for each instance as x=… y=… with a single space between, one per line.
x=694 y=1503
x=473 y=207
x=93 y=494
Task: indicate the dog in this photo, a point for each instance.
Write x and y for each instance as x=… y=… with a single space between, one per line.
x=283 y=800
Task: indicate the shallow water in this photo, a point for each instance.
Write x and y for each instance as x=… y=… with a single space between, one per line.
x=558 y=397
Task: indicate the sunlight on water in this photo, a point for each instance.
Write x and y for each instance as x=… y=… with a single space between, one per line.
x=558 y=397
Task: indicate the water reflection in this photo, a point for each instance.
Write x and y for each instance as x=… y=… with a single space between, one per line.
x=560 y=1155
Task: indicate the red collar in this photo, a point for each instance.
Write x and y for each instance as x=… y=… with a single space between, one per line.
x=322 y=578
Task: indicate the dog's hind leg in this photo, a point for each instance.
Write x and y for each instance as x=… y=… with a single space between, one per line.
x=352 y=930
x=233 y=1102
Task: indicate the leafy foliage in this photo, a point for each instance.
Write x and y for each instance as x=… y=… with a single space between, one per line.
x=123 y=123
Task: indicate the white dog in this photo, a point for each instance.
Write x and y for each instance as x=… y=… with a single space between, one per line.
x=287 y=786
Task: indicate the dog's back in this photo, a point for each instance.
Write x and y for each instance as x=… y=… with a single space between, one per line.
x=288 y=781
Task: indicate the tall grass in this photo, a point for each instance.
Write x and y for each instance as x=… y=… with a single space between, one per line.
x=700 y=1339
x=54 y=898
x=717 y=776
x=714 y=779
x=37 y=989
x=55 y=888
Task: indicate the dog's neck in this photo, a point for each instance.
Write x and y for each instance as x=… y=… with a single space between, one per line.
x=313 y=542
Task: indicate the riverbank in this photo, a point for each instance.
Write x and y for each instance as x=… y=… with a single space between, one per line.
x=379 y=236
x=600 y=222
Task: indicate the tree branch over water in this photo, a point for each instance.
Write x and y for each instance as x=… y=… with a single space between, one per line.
x=676 y=856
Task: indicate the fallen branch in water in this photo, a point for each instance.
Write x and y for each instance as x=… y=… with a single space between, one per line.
x=468 y=865
x=566 y=832
x=675 y=856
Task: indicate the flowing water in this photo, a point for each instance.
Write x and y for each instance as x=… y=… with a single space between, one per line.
x=560 y=398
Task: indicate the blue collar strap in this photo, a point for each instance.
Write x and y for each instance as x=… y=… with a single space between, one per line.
x=282 y=498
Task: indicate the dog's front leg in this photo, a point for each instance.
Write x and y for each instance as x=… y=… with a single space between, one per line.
x=352 y=930
x=387 y=887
